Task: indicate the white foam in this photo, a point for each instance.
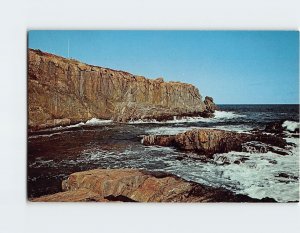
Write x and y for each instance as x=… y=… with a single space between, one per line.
x=68 y=126
x=234 y=128
x=46 y=135
x=218 y=116
x=257 y=176
x=91 y=122
x=169 y=130
x=42 y=163
x=291 y=125
x=144 y=121
x=226 y=115
x=253 y=174
x=95 y=121
x=176 y=130
x=71 y=126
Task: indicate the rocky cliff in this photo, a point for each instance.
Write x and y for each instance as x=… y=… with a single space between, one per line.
x=64 y=91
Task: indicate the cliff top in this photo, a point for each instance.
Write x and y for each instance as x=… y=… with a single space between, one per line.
x=85 y=66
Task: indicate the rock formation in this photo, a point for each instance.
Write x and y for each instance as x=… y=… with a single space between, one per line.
x=211 y=141
x=275 y=127
x=210 y=105
x=280 y=127
x=65 y=91
x=132 y=185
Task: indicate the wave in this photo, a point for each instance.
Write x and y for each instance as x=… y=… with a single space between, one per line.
x=234 y=128
x=218 y=116
x=46 y=135
x=176 y=130
x=169 y=130
x=144 y=121
x=291 y=125
x=227 y=115
x=262 y=175
x=91 y=122
x=95 y=121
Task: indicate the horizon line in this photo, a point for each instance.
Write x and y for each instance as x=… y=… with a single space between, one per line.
x=259 y=104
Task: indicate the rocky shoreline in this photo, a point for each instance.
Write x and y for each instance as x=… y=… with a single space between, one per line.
x=64 y=92
x=133 y=185
x=139 y=185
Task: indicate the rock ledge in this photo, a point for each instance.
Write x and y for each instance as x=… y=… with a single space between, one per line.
x=132 y=185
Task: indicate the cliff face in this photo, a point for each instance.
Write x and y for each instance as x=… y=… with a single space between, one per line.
x=64 y=91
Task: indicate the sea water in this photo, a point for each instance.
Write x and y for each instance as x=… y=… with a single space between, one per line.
x=55 y=153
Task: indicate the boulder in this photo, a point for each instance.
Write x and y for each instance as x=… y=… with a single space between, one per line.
x=210 y=105
x=211 y=141
x=133 y=185
x=274 y=127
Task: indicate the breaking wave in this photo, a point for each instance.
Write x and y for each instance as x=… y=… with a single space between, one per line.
x=91 y=122
x=218 y=116
x=169 y=130
x=144 y=121
x=64 y=129
x=291 y=125
x=177 y=130
x=95 y=121
x=262 y=175
x=227 y=115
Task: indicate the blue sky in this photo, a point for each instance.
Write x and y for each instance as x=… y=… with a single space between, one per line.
x=234 y=67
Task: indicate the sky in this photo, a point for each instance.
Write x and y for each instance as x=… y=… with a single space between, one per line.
x=234 y=67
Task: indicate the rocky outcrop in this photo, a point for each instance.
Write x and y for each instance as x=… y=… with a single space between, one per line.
x=210 y=105
x=275 y=127
x=280 y=127
x=132 y=185
x=211 y=141
x=63 y=91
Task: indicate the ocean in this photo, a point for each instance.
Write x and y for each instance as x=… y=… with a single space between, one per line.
x=55 y=153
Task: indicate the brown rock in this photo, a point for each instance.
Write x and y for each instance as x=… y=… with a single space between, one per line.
x=161 y=140
x=211 y=141
x=138 y=186
x=60 y=89
x=210 y=105
x=76 y=196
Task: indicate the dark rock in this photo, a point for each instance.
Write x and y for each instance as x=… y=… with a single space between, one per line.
x=210 y=105
x=274 y=127
x=119 y=198
x=206 y=114
x=258 y=147
x=179 y=158
x=287 y=176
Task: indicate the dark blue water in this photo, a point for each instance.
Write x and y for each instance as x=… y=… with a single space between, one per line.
x=262 y=114
x=54 y=154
